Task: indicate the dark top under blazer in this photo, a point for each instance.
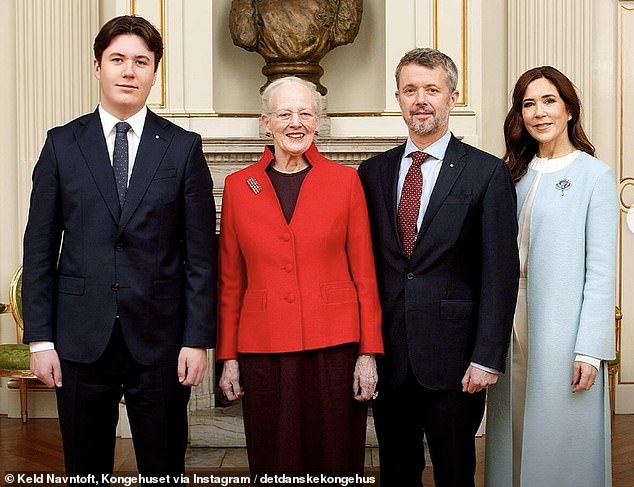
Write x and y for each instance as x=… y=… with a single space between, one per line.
x=154 y=260
x=453 y=302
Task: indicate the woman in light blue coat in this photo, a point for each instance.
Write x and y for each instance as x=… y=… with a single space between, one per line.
x=548 y=422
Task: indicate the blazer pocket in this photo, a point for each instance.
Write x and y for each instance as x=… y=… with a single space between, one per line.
x=169 y=172
x=455 y=310
x=458 y=199
x=254 y=300
x=338 y=292
x=70 y=285
x=166 y=289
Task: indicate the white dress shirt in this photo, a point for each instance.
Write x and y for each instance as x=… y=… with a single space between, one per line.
x=136 y=121
x=431 y=169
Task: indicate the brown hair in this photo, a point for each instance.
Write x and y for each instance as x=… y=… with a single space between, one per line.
x=429 y=58
x=520 y=146
x=129 y=24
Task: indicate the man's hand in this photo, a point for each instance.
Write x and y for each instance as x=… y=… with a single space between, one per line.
x=192 y=363
x=230 y=380
x=583 y=376
x=365 y=378
x=45 y=365
x=476 y=379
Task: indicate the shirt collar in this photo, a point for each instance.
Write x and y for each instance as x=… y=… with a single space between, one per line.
x=136 y=121
x=436 y=150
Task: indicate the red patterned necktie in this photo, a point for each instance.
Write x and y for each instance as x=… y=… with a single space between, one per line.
x=409 y=205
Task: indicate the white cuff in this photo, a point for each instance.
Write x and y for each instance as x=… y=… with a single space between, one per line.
x=486 y=369
x=595 y=362
x=41 y=346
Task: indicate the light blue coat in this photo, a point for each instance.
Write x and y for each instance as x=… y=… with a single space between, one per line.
x=570 y=290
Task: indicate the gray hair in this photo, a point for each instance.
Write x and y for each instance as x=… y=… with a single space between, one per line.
x=430 y=58
x=268 y=93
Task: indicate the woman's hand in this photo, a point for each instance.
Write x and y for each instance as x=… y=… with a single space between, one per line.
x=583 y=376
x=230 y=380
x=365 y=378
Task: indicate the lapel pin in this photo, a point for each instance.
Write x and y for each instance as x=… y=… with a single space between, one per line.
x=451 y=164
x=563 y=185
x=156 y=137
x=254 y=185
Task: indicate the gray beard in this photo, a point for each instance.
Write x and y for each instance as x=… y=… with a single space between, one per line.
x=423 y=128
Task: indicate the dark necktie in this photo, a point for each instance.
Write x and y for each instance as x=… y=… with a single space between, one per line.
x=409 y=205
x=120 y=160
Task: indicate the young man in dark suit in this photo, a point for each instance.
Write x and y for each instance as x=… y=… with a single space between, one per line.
x=442 y=216
x=120 y=265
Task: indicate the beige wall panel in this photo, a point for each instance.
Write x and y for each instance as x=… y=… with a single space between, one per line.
x=400 y=37
x=154 y=11
x=237 y=75
x=197 y=56
x=54 y=75
x=10 y=241
x=553 y=32
x=603 y=106
x=493 y=98
x=354 y=73
x=451 y=31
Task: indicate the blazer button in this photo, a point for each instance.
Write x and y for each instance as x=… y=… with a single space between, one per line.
x=410 y=276
x=290 y=298
x=118 y=245
x=115 y=286
x=286 y=237
x=288 y=267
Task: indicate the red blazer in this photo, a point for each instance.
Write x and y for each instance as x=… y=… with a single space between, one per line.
x=305 y=285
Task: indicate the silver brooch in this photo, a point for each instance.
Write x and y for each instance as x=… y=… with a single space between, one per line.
x=254 y=185
x=563 y=185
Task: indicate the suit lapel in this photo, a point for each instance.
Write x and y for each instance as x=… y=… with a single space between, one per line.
x=92 y=145
x=452 y=166
x=389 y=180
x=154 y=142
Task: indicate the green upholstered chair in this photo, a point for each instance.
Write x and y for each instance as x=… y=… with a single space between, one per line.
x=15 y=357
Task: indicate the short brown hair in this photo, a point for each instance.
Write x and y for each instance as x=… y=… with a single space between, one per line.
x=520 y=146
x=430 y=58
x=129 y=24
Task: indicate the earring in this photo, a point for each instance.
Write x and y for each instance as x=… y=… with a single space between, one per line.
x=569 y=118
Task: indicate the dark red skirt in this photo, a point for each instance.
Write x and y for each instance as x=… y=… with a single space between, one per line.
x=300 y=416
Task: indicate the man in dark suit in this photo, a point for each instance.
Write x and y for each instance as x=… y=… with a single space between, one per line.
x=120 y=265
x=443 y=223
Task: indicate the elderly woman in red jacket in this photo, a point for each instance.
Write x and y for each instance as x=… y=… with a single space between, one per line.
x=300 y=318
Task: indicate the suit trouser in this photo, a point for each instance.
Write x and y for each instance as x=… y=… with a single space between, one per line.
x=88 y=407
x=448 y=418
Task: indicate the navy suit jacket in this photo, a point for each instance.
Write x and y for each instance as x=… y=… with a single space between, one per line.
x=152 y=261
x=453 y=302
